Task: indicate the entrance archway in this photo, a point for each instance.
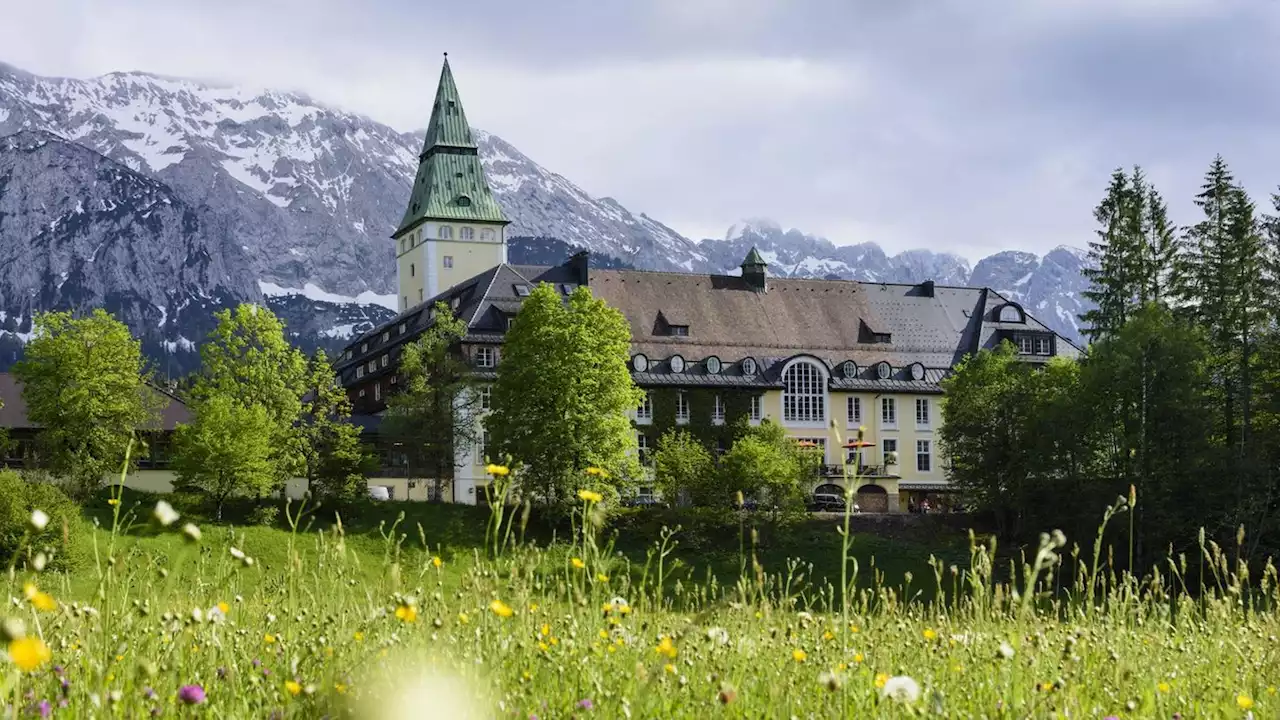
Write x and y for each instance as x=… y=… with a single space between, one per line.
x=873 y=498
x=829 y=489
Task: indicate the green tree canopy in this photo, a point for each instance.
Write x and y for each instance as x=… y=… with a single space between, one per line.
x=563 y=395
x=765 y=464
x=434 y=414
x=334 y=459
x=84 y=382
x=684 y=470
x=226 y=451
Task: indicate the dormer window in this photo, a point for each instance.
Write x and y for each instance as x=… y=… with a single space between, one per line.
x=464 y=201
x=386 y=336
x=400 y=331
x=849 y=368
x=364 y=348
x=454 y=302
x=486 y=357
x=567 y=288
x=883 y=371
x=639 y=362
x=917 y=372
x=713 y=365
x=1044 y=345
x=678 y=330
x=749 y=367
x=1011 y=313
x=881 y=338
x=521 y=289
x=677 y=364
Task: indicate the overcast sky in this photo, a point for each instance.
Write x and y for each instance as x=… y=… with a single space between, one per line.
x=957 y=125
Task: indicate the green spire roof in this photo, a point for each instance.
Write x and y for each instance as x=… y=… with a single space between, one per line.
x=450 y=183
x=754 y=259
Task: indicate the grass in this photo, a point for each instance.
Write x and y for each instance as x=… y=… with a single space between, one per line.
x=361 y=620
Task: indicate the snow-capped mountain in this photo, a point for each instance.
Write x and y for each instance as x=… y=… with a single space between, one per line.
x=1051 y=288
x=296 y=199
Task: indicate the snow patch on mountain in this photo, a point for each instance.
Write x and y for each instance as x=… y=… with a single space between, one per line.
x=313 y=292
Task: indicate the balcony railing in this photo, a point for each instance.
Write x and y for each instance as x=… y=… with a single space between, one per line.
x=864 y=471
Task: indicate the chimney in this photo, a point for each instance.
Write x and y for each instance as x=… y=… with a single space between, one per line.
x=578 y=263
x=754 y=271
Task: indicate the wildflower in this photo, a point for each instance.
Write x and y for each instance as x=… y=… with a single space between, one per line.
x=340 y=688
x=236 y=553
x=39 y=519
x=113 y=502
x=718 y=635
x=269 y=638
x=501 y=609
x=727 y=694
x=462 y=618
x=1046 y=686
x=601 y=577
x=29 y=653
x=197 y=615
x=44 y=708
x=406 y=612
x=164 y=513
x=1005 y=651
x=829 y=680
x=39 y=599
x=497 y=470
x=216 y=614
x=857 y=658
x=902 y=689
x=191 y=532
x=1244 y=702
x=577 y=563
x=39 y=562
x=669 y=668
x=586 y=704
x=1163 y=687
x=590 y=496
x=293 y=687
x=881 y=679
x=799 y=655
x=545 y=630
x=436 y=561
x=359 y=636
x=191 y=694
x=828 y=635
x=223 y=607
x=929 y=634
x=666 y=647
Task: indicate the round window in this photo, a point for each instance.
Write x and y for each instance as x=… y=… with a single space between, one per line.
x=677 y=364
x=917 y=372
x=713 y=365
x=749 y=366
x=883 y=371
x=639 y=362
x=850 y=369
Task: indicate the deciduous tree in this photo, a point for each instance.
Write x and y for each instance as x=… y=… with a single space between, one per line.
x=684 y=470
x=334 y=459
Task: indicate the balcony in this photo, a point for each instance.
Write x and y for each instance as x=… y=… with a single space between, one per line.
x=864 y=471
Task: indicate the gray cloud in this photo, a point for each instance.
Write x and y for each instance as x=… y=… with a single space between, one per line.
x=949 y=124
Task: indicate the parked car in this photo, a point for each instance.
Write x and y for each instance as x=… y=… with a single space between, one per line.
x=379 y=492
x=827 y=502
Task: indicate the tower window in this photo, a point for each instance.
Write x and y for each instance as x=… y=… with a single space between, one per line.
x=678 y=330
x=412 y=270
x=445 y=232
x=486 y=235
x=419 y=296
x=466 y=233
x=448 y=261
x=463 y=200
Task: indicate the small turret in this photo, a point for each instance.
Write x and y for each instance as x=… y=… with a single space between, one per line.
x=754 y=271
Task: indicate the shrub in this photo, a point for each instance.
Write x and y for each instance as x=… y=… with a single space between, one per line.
x=64 y=540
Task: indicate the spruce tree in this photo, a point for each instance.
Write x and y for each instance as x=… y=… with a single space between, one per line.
x=1110 y=259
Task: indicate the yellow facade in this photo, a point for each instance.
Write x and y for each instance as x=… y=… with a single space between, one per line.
x=435 y=256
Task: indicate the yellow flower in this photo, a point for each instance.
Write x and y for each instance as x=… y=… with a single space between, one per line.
x=359 y=636
x=293 y=687
x=929 y=634
x=406 y=612
x=881 y=679
x=533 y=607
x=601 y=577
x=577 y=563
x=462 y=618
x=436 y=561
x=841 y=667
x=669 y=668
x=546 y=629
x=857 y=657
x=269 y=638
x=604 y=634
x=666 y=647
x=501 y=609
x=340 y=688
x=590 y=496
x=113 y=501
x=1163 y=687
x=828 y=635
x=624 y=609
x=1271 y=690
x=497 y=470
x=225 y=608
x=799 y=655
x=1046 y=686
x=1244 y=702
x=29 y=653
x=40 y=599
x=853 y=628
x=542 y=646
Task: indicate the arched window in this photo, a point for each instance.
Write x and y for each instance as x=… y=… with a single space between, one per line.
x=466 y=233
x=486 y=235
x=804 y=394
x=1011 y=313
x=445 y=233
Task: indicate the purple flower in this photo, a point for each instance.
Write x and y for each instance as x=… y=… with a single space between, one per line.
x=45 y=708
x=58 y=670
x=586 y=704
x=257 y=662
x=148 y=693
x=191 y=694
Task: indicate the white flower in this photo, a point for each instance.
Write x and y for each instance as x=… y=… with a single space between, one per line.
x=1006 y=650
x=164 y=513
x=619 y=602
x=902 y=689
x=805 y=616
x=39 y=520
x=40 y=561
x=718 y=635
x=192 y=532
x=215 y=614
x=237 y=553
x=197 y=615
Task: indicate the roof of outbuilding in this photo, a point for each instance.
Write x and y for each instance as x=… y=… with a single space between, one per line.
x=13 y=414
